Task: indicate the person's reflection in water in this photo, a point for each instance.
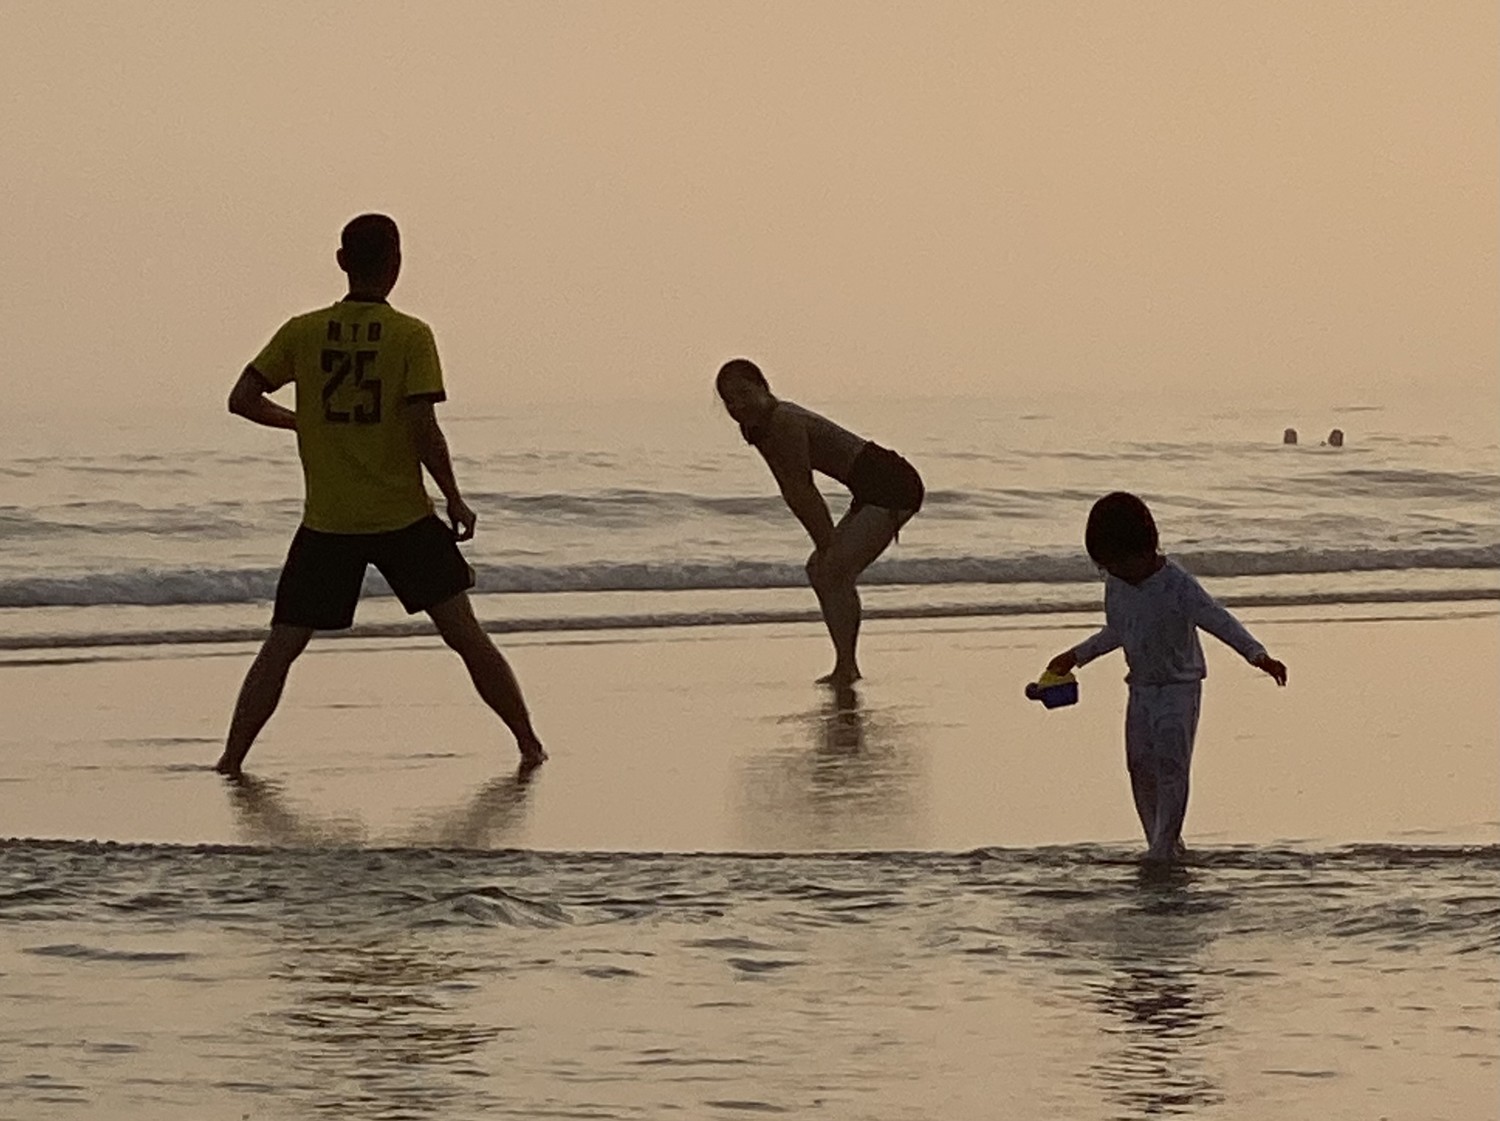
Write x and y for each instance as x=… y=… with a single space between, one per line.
x=373 y=1010
x=487 y=820
x=376 y=1009
x=856 y=788
x=1153 y=991
x=843 y=722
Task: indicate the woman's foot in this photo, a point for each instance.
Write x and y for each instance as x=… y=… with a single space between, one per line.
x=840 y=677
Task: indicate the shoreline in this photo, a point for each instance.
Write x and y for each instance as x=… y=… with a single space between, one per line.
x=400 y=626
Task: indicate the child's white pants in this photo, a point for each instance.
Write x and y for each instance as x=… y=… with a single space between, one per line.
x=1160 y=724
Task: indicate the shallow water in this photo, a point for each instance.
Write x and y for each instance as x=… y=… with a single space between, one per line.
x=165 y=982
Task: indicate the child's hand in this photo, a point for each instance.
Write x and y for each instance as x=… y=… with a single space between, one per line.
x=1267 y=664
x=1063 y=664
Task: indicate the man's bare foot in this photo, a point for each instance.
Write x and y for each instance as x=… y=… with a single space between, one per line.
x=228 y=768
x=839 y=677
x=532 y=754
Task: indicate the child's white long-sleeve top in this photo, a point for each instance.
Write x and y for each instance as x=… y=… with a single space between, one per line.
x=1157 y=622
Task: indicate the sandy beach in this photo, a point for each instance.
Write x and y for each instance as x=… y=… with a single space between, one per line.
x=714 y=739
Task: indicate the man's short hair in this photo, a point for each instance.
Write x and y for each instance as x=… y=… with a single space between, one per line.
x=368 y=242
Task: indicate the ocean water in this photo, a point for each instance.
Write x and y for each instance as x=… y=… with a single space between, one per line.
x=163 y=983
x=286 y=981
x=173 y=526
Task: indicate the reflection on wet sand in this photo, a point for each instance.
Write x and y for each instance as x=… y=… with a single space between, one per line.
x=1152 y=989
x=266 y=816
x=488 y=819
x=842 y=777
x=491 y=819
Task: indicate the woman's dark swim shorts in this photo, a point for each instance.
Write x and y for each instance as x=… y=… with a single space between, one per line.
x=880 y=477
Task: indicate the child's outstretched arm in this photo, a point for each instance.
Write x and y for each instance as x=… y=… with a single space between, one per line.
x=1214 y=617
x=1096 y=645
x=1267 y=664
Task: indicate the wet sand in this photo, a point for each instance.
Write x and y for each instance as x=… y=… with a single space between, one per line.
x=715 y=739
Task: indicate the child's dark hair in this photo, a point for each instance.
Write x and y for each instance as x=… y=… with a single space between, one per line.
x=740 y=369
x=1119 y=526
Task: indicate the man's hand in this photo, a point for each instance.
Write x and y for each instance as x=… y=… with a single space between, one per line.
x=1267 y=664
x=461 y=518
x=1064 y=664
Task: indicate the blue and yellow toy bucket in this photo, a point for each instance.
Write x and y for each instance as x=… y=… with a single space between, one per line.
x=1054 y=691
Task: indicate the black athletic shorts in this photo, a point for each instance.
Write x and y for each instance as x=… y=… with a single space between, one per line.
x=880 y=477
x=320 y=581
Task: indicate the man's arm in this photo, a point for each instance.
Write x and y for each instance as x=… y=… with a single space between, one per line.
x=248 y=399
x=785 y=452
x=432 y=450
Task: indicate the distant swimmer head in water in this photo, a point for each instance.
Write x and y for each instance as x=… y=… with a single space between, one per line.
x=746 y=394
x=1336 y=438
x=1289 y=436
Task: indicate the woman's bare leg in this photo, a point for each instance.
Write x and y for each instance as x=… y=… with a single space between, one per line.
x=860 y=536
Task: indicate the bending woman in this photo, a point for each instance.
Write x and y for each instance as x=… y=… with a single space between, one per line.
x=886 y=489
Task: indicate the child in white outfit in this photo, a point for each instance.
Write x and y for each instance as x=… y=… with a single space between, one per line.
x=1153 y=608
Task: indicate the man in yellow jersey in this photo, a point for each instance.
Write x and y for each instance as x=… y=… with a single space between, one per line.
x=367 y=379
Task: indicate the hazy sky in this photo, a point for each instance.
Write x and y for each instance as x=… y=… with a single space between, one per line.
x=605 y=199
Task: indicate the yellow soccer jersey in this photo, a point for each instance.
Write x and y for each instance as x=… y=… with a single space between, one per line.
x=357 y=365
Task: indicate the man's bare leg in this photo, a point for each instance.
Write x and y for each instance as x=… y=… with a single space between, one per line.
x=260 y=693
x=490 y=672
